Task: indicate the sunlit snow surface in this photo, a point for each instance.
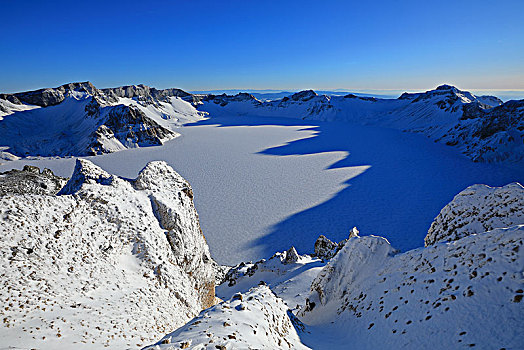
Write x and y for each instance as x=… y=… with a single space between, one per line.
x=264 y=184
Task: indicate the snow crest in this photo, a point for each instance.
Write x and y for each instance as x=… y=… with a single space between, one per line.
x=477 y=209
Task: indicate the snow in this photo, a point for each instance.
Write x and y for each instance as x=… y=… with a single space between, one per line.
x=372 y=296
x=290 y=281
x=118 y=262
x=308 y=178
x=446 y=115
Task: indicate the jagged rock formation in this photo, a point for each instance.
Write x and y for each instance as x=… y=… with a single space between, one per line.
x=78 y=119
x=106 y=262
x=30 y=181
x=224 y=100
x=325 y=249
x=483 y=128
x=479 y=208
x=256 y=320
x=291 y=256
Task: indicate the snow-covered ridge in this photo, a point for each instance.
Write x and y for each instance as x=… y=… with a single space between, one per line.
x=479 y=208
x=107 y=262
x=255 y=320
x=465 y=293
x=78 y=119
x=483 y=128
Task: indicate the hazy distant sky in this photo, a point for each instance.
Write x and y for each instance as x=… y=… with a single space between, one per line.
x=289 y=45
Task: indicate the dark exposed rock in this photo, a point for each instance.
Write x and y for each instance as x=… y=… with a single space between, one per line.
x=146 y=94
x=325 y=249
x=30 y=181
x=224 y=99
x=501 y=118
x=305 y=95
x=291 y=256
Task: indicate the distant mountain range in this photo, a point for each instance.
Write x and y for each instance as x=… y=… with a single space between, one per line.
x=482 y=127
x=268 y=94
x=78 y=119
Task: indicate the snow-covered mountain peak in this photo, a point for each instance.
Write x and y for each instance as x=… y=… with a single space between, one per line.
x=78 y=119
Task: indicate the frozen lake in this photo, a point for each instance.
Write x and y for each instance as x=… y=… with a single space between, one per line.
x=264 y=184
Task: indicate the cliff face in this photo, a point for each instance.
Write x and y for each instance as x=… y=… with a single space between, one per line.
x=106 y=262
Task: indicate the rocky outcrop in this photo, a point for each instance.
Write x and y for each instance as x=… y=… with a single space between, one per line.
x=224 y=100
x=131 y=128
x=120 y=262
x=304 y=95
x=477 y=209
x=146 y=94
x=325 y=249
x=30 y=181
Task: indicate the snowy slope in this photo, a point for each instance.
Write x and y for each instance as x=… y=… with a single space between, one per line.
x=106 y=262
x=478 y=208
x=485 y=129
x=255 y=320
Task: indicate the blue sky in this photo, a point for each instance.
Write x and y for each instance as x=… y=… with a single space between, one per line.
x=289 y=45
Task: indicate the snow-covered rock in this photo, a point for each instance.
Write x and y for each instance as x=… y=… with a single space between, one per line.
x=255 y=320
x=288 y=274
x=107 y=262
x=464 y=293
x=477 y=209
